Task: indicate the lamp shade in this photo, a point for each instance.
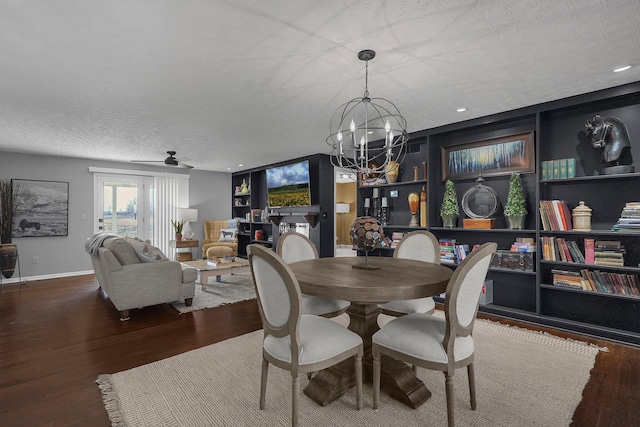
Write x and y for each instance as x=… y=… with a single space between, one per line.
x=188 y=214
x=342 y=208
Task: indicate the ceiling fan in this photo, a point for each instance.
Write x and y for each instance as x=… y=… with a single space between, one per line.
x=169 y=161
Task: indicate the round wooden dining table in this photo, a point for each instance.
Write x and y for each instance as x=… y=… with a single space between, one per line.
x=386 y=279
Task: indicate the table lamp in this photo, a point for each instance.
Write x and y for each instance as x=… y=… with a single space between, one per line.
x=187 y=215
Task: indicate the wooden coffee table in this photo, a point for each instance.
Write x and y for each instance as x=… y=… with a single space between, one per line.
x=206 y=270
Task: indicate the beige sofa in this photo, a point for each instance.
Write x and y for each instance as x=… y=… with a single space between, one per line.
x=131 y=283
x=212 y=229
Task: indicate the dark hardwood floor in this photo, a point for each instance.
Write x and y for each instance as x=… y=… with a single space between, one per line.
x=57 y=336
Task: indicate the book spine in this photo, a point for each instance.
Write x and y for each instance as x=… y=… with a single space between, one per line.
x=589 y=251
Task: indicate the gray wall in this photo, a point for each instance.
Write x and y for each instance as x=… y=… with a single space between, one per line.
x=210 y=192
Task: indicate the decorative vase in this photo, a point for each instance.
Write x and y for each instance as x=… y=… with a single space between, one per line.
x=516 y=222
x=178 y=237
x=366 y=234
x=414 y=203
x=244 y=188
x=449 y=221
x=391 y=170
x=582 y=217
x=8 y=258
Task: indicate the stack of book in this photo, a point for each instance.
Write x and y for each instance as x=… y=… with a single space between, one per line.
x=447 y=251
x=555 y=215
x=523 y=244
x=396 y=236
x=609 y=252
x=560 y=249
x=629 y=218
x=569 y=279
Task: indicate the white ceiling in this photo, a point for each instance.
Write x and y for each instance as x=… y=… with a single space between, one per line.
x=256 y=82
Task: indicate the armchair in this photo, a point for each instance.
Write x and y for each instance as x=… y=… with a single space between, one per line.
x=130 y=283
x=212 y=232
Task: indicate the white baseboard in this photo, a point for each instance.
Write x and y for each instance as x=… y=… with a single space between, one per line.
x=16 y=279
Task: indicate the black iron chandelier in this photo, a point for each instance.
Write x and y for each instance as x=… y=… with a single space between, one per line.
x=368 y=135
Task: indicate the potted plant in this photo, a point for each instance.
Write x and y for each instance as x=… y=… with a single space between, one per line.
x=177 y=227
x=8 y=250
x=515 y=210
x=449 y=210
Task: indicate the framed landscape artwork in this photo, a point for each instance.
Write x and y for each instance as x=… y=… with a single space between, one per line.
x=41 y=208
x=490 y=157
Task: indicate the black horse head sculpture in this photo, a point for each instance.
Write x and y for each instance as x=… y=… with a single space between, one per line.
x=611 y=134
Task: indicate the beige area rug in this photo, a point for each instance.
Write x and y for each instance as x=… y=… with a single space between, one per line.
x=523 y=378
x=232 y=288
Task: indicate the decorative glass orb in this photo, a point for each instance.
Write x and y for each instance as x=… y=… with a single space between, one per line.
x=366 y=233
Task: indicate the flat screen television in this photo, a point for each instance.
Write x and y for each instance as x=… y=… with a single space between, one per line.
x=289 y=185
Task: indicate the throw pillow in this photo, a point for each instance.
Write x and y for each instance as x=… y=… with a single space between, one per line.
x=122 y=249
x=228 y=235
x=146 y=251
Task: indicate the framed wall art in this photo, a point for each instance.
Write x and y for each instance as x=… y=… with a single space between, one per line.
x=489 y=157
x=41 y=208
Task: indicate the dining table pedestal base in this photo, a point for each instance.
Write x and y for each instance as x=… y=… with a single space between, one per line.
x=396 y=378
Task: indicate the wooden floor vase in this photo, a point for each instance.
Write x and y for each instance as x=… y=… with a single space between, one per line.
x=8 y=259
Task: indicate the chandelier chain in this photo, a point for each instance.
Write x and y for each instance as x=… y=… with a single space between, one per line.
x=366 y=79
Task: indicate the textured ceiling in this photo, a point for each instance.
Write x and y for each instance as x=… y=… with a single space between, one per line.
x=256 y=82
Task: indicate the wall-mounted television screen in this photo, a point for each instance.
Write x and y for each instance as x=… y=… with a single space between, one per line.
x=289 y=185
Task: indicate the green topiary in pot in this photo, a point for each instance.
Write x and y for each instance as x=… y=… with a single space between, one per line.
x=515 y=210
x=449 y=210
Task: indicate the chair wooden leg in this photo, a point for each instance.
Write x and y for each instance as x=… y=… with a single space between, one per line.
x=263 y=383
x=472 y=385
x=358 y=367
x=188 y=302
x=295 y=390
x=376 y=380
x=448 y=382
x=124 y=315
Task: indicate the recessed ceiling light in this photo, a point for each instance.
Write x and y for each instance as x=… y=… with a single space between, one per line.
x=461 y=110
x=228 y=169
x=620 y=69
x=240 y=165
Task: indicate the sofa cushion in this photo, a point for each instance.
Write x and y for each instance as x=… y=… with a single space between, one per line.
x=122 y=250
x=146 y=251
x=228 y=235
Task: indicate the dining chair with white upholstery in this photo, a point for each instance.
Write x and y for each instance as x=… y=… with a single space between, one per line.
x=418 y=245
x=294 y=247
x=299 y=343
x=435 y=343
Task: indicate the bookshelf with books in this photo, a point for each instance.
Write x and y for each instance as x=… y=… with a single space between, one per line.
x=614 y=200
x=603 y=297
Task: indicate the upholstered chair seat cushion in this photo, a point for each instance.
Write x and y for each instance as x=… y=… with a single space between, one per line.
x=421 y=335
x=321 y=340
x=419 y=305
x=320 y=306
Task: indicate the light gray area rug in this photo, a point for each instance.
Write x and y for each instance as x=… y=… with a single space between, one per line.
x=523 y=378
x=232 y=288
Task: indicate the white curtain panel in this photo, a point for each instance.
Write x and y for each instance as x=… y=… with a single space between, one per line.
x=171 y=193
